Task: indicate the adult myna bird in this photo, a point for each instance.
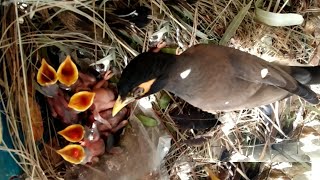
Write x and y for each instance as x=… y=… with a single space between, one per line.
x=215 y=78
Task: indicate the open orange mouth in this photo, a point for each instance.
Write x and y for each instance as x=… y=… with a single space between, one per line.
x=73 y=133
x=46 y=75
x=81 y=101
x=67 y=72
x=73 y=153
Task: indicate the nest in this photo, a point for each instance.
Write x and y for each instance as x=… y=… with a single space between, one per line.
x=95 y=30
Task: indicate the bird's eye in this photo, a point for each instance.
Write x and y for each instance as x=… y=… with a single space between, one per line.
x=137 y=92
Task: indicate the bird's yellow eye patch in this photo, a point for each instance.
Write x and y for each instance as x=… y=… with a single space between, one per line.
x=146 y=86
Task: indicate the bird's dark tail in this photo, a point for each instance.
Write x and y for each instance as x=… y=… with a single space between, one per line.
x=307 y=94
x=307 y=75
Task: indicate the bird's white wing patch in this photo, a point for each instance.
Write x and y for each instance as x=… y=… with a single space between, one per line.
x=185 y=73
x=264 y=72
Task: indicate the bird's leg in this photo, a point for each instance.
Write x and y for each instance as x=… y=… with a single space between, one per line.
x=97 y=117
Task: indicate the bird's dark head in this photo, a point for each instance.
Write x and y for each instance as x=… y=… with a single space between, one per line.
x=144 y=75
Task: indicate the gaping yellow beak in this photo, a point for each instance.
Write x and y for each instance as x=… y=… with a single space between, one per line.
x=121 y=104
x=68 y=72
x=73 y=133
x=73 y=153
x=46 y=75
x=81 y=101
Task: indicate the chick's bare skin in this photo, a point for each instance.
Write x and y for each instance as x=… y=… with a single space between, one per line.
x=84 y=82
x=95 y=148
x=103 y=100
x=117 y=122
x=59 y=109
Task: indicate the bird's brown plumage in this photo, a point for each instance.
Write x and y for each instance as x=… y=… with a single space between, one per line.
x=219 y=78
x=223 y=78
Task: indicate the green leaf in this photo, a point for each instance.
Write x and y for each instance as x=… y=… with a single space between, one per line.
x=147 y=121
x=234 y=25
x=169 y=50
x=164 y=101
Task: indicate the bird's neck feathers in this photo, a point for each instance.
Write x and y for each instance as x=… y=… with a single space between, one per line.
x=163 y=64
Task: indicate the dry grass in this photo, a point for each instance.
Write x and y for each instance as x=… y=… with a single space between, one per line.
x=41 y=24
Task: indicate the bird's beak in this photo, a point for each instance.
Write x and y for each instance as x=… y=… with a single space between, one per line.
x=67 y=72
x=73 y=153
x=73 y=133
x=81 y=101
x=121 y=104
x=46 y=75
